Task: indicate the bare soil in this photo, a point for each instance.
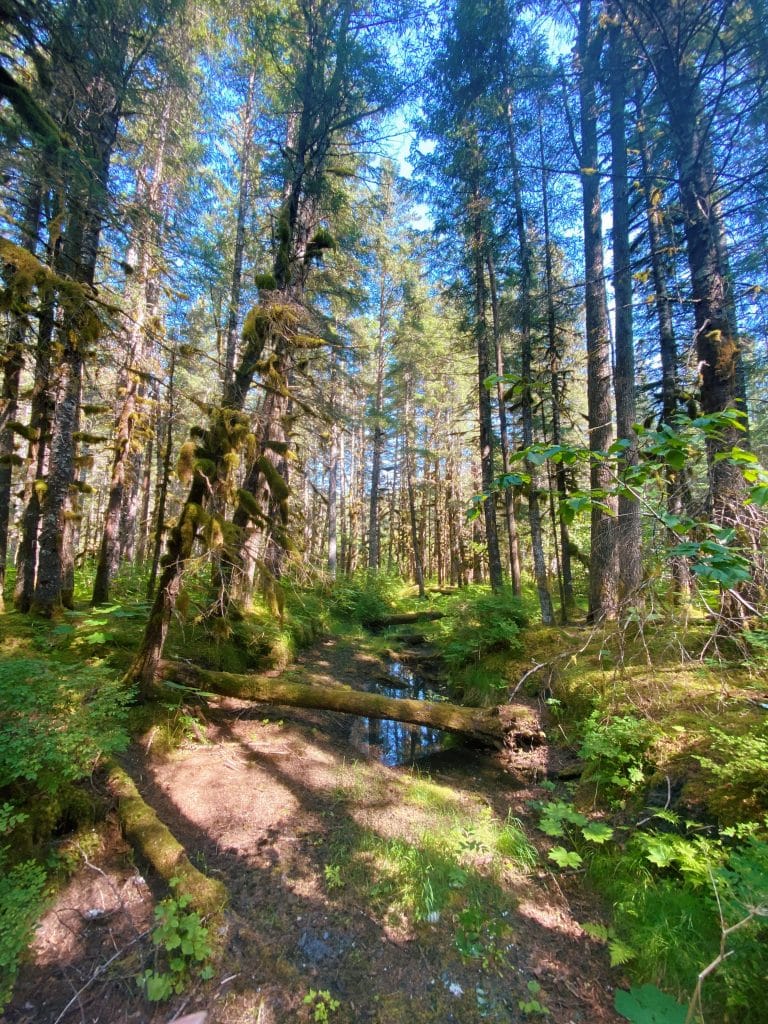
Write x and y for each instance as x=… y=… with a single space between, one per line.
x=265 y=801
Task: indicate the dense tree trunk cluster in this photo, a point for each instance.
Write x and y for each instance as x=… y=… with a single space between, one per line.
x=342 y=375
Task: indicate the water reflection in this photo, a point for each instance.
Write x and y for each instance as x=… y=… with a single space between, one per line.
x=391 y=742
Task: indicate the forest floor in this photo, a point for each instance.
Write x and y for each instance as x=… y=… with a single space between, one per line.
x=335 y=865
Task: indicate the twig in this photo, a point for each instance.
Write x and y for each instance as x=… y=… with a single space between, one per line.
x=723 y=955
x=97 y=973
x=558 y=657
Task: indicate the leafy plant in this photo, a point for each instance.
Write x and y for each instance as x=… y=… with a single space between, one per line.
x=55 y=721
x=478 y=936
x=333 y=879
x=322 y=1005
x=21 y=899
x=481 y=624
x=620 y=952
x=615 y=750
x=741 y=761
x=182 y=948
x=533 y=1007
x=649 y=1005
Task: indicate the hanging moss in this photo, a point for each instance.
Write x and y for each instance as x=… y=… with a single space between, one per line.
x=28 y=433
x=278 y=487
x=265 y=282
x=41 y=489
x=256 y=325
x=281 y=447
x=11 y=459
x=35 y=117
x=185 y=464
x=95 y=410
x=213 y=534
x=251 y=505
x=207 y=467
x=320 y=241
x=81 y=487
x=84 y=438
x=308 y=341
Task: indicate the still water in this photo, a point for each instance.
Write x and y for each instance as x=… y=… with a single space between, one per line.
x=395 y=743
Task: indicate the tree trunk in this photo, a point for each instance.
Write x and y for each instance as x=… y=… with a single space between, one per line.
x=556 y=385
x=13 y=364
x=163 y=478
x=417 y=550
x=333 y=494
x=717 y=347
x=603 y=566
x=670 y=390
x=485 y=412
x=236 y=282
x=377 y=444
x=526 y=367
x=628 y=531
x=509 y=494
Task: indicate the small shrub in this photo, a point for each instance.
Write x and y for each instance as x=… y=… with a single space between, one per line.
x=21 y=898
x=182 y=948
x=481 y=624
x=741 y=763
x=615 y=751
x=55 y=721
x=364 y=596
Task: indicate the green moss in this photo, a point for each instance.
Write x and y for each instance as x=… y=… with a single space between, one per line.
x=277 y=485
x=154 y=841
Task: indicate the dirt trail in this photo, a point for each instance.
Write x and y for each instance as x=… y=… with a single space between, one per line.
x=279 y=806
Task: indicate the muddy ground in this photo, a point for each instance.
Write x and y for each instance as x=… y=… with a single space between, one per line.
x=277 y=804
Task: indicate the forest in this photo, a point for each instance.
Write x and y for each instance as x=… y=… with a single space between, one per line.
x=384 y=511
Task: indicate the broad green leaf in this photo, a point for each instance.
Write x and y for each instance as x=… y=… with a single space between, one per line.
x=648 y=1005
x=97 y=638
x=597 y=832
x=565 y=858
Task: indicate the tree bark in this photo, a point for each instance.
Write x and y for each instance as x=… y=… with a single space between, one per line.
x=526 y=370
x=628 y=531
x=556 y=385
x=513 y=539
x=603 y=565
x=485 y=413
x=236 y=282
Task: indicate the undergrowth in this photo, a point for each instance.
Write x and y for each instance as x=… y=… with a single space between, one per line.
x=56 y=720
x=669 y=818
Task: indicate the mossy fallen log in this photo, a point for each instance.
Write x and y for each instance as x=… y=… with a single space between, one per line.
x=404 y=619
x=513 y=725
x=157 y=845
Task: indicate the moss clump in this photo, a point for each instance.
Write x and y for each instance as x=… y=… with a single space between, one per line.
x=265 y=282
x=278 y=486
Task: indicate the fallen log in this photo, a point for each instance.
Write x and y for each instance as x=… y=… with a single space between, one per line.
x=157 y=844
x=404 y=619
x=513 y=725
